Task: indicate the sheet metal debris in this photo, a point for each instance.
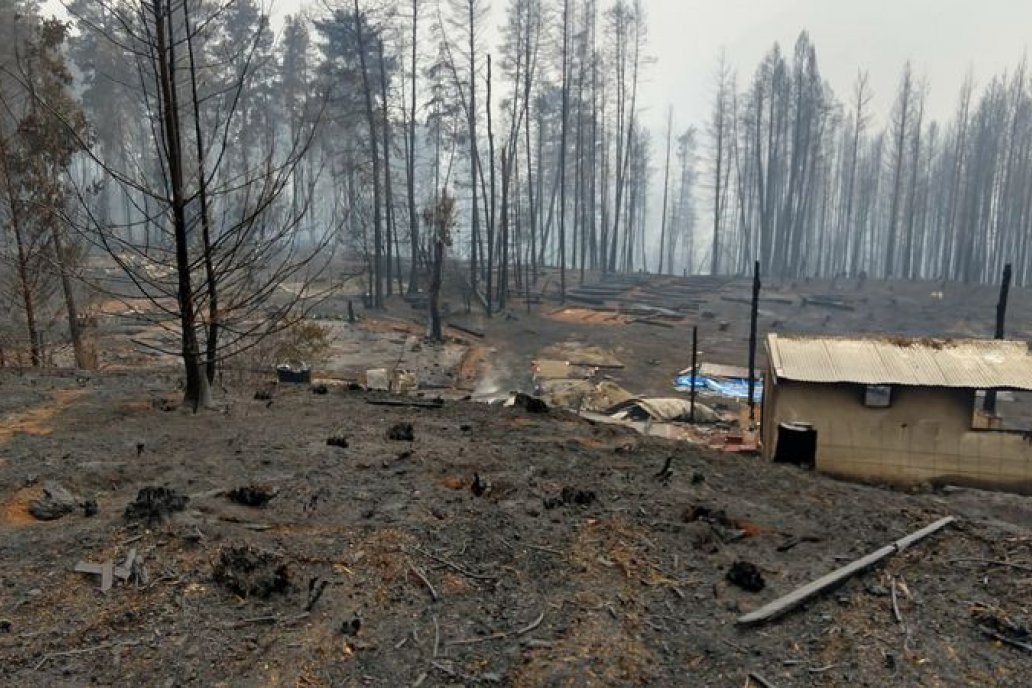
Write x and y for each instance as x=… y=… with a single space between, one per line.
x=924 y=362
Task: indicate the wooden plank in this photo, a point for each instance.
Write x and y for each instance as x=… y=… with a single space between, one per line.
x=126 y=569
x=801 y=595
x=604 y=366
x=107 y=575
x=87 y=567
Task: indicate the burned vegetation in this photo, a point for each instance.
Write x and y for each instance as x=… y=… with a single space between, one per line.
x=340 y=348
x=459 y=564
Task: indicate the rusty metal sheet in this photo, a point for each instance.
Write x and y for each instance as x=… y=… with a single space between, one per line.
x=918 y=362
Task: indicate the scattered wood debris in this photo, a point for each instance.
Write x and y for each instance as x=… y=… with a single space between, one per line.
x=252 y=495
x=746 y=576
x=528 y=403
x=571 y=496
x=800 y=595
x=131 y=570
x=155 y=504
x=251 y=572
x=401 y=432
x=337 y=440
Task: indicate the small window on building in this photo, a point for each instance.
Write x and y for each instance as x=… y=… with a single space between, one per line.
x=878 y=396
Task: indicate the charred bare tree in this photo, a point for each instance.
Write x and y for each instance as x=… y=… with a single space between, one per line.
x=563 y=137
x=718 y=134
x=666 y=190
x=241 y=252
x=363 y=47
x=901 y=129
x=410 y=153
x=439 y=220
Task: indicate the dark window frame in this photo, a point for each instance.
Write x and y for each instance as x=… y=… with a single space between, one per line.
x=886 y=390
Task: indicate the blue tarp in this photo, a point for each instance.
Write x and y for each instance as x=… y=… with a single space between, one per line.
x=735 y=388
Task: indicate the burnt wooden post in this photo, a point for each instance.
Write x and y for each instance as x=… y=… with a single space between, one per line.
x=1001 y=319
x=695 y=363
x=752 y=339
x=351 y=312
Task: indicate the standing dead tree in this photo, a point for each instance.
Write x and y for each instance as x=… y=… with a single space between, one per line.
x=466 y=17
x=439 y=220
x=363 y=44
x=901 y=129
x=218 y=238
x=666 y=191
x=719 y=129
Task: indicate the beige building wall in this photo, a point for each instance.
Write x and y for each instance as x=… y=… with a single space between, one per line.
x=924 y=436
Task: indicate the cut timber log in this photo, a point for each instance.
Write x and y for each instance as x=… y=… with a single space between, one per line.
x=801 y=595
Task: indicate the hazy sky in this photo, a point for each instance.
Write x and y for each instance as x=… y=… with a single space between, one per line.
x=944 y=39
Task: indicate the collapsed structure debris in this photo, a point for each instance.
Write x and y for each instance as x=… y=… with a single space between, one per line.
x=528 y=403
x=295 y=373
x=663 y=410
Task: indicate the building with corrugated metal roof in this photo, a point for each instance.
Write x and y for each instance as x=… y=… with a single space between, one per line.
x=896 y=409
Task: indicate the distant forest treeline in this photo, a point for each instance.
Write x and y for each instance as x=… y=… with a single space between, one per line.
x=221 y=162
x=802 y=182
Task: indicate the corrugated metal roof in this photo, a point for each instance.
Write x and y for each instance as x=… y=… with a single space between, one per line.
x=967 y=363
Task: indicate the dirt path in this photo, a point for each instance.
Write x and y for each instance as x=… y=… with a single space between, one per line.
x=39 y=419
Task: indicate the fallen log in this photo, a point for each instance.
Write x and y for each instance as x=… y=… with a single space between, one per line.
x=432 y=404
x=800 y=595
x=1004 y=639
x=589 y=300
x=827 y=302
x=467 y=330
x=758 y=680
x=592 y=364
x=784 y=300
x=653 y=322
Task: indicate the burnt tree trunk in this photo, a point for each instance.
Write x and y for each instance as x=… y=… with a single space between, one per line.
x=1001 y=321
x=74 y=330
x=198 y=391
